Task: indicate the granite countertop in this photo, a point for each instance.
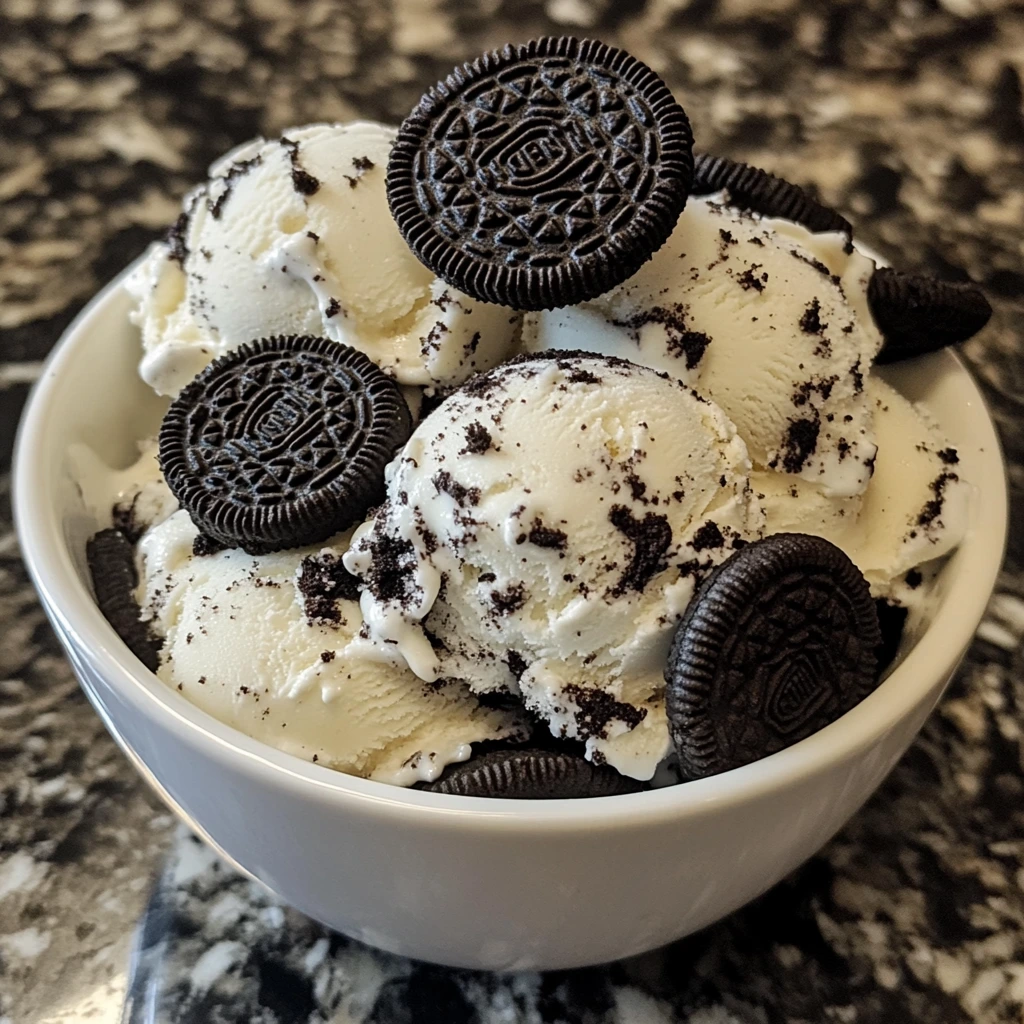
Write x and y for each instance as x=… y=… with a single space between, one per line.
x=906 y=114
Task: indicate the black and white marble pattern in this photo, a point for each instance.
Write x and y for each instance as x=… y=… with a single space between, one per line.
x=906 y=114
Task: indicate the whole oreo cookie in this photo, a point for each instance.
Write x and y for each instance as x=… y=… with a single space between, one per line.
x=752 y=189
x=919 y=314
x=532 y=775
x=542 y=174
x=282 y=442
x=114 y=579
x=779 y=641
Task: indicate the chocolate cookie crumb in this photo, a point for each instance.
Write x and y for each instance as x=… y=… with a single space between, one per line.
x=578 y=375
x=175 y=238
x=546 y=537
x=204 y=545
x=933 y=508
x=914 y=579
x=679 y=340
x=750 y=279
x=650 y=537
x=509 y=600
x=391 y=572
x=302 y=181
x=708 y=537
x=323 y=580
x=447 y=484
x=328 y=656
x=235 y=171
x=597 y=709
x=810 y=322
x=800 y=444
x=948 y=456
x=478 y=439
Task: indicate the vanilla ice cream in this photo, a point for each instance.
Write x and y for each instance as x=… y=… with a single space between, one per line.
x=544 y=530
x=915 y=508
x=264 y=644
x=294 y=236
x=765 y=318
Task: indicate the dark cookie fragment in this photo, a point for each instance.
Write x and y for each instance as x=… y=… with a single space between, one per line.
x=919 y=314
x=650 y=537
x=541 y=174
x=282 y=442
x=752 y=189
x=780 y=640
x=114 y=579
x=532 y=775
x=323 y=581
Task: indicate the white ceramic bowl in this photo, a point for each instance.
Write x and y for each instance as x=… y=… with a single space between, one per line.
x=495 y=884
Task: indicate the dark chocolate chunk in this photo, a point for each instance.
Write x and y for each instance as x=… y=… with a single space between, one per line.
x=919 y=314
x=532 y=775
x=780 y=640
x=282 y=442
x=542 y=174
x=752 y=189
x=114 y=579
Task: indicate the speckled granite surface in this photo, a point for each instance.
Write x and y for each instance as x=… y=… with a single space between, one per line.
x=907 y=114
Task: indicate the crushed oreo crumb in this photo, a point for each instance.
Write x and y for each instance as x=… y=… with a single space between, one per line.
x=235 y=171
x=447 y=484
x=323 y=580
x=175 y=238
x=708 y=537
x=750 y=279
x=546 y=537
x=800 y=444
x=478 y=439
x=393 y=562
x=303 y=182
x=597 y=709
x=810 y=322
x=203 y=545
x=681 y=342
x=933 y=508
x=509 y=600
x=650 y=537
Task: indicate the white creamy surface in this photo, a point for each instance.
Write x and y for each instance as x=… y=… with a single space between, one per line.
x=914 y=510
x=571 y=537
x=240 y=644
x=766 y=319
x=265 y=257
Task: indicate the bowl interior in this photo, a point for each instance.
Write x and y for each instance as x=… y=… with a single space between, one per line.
x=90 y=395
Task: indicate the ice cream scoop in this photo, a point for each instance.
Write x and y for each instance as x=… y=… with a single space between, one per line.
x=767 y=319
x=543 y=532
x=293 y=236
x=915 y=508
x=264 y=644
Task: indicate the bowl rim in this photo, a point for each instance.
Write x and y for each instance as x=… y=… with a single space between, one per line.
x=72 y=609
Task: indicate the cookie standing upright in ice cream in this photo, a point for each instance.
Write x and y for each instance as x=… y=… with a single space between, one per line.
x=552 y=525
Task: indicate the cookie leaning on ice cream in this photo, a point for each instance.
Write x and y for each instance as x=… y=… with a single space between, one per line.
x=779 y=641
x=541 y=174
x=282 y=442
